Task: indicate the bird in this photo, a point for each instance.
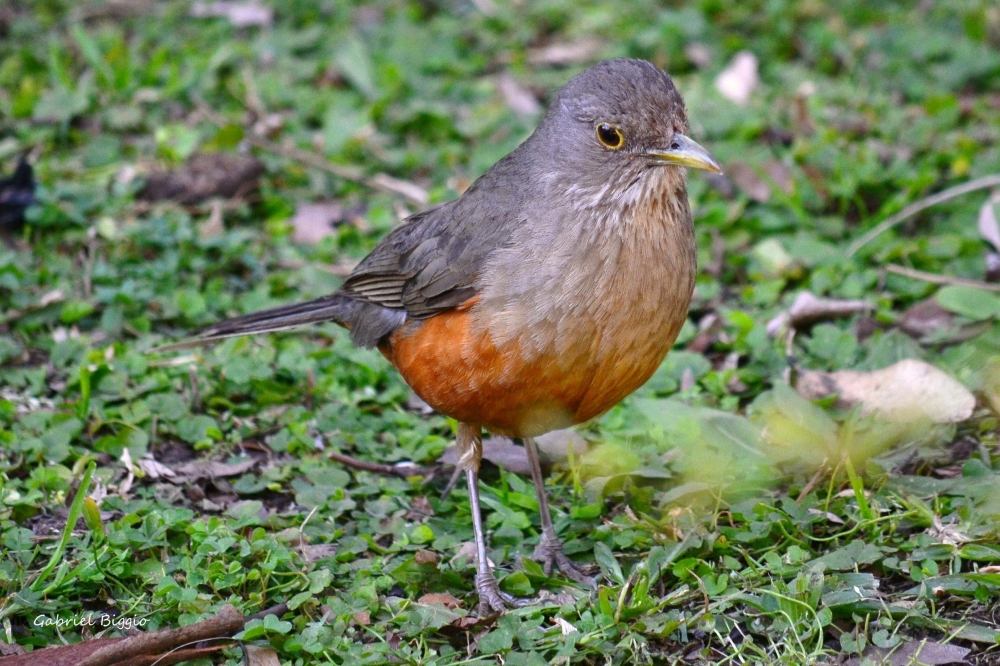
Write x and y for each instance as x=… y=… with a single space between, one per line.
x=547 y=292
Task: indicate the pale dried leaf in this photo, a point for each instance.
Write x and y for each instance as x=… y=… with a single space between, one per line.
x=152 y=468
x=572 y=53
x=363 y=618
x=564 y=626
x=906 y=391
x=553 y=447
x=313 y=222
x=213 y=226
x=239 y=14
x=520 y=100
x=498 y=450
x=988 y=227
x=739 y=79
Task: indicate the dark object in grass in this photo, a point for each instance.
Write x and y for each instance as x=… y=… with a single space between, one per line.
x=17 y=192
x=204 y=176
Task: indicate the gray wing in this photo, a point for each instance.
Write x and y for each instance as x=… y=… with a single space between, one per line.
x=431 y=262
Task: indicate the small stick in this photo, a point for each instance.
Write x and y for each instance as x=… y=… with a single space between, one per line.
x=404 y=470
x=379 y=181
x=941 y=279
x=916 y=207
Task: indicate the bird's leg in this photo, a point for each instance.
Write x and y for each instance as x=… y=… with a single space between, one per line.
x=470 y=453
x=549 y=551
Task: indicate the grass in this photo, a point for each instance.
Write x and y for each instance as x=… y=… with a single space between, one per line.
x=711 y=549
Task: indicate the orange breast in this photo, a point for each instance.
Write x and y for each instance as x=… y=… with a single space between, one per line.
x=458 y=370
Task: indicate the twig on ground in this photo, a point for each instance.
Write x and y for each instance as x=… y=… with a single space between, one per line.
x=935 y=278
x=914 y=208
x=403 y=469
x=380 y=181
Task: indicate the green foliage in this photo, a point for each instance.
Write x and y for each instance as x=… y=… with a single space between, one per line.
x=695 y=506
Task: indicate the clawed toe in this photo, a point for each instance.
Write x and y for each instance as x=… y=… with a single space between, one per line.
x=550 y=555
x=492 y=598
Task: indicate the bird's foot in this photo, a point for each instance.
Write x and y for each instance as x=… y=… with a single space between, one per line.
x=549 y=553
x=492 y=598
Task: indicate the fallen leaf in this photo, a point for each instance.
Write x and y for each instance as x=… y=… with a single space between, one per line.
x=443 y=598
x=363 y=618
x=319 y=551
x=780 y=176
x=520 y=100
x=564 y=626
x=500 y=451
x=698 y=55
x=153 y=469
x=204 y=176
x=313 y=222
x=239 y=14
x=553 y=447
x=739 y=79
x=902 y=392
x=925 y=319
x=209 y=469
x=808 y=309
x=749 y=181
x=420 y=507
x=987 y=222
x=213 y=226
x=571 y=53
x=260 y=656
x=913 y=653
x=424 y=556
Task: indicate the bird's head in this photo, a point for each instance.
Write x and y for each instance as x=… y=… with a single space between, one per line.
x=617 y=132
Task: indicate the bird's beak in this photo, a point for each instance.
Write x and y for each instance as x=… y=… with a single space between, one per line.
x=685 y=152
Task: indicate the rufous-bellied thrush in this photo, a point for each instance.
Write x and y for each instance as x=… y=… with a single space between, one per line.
x=547 y=292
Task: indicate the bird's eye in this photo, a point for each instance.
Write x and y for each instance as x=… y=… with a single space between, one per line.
x=610 y=136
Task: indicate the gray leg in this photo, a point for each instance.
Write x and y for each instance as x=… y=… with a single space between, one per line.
x=491 y=598
x=549 y=551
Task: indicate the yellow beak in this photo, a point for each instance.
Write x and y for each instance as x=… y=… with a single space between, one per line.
x=685 y=152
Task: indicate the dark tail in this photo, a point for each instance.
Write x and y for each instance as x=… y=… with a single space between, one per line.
x=368 y=323
x=335 y=307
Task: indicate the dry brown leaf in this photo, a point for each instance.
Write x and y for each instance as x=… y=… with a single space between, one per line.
x=257 y=655
x=906 y=391
x=313 y=222
x=363 y=618
x=749 y=181
x=441 y=598
x=926 y=318
x=424 y=556
x=739 y=79
x=520 y=100
x=204 y=176
x=209 y=469
x=780 y=176
x=913 y=653
x=214 y=225
x=319 y=551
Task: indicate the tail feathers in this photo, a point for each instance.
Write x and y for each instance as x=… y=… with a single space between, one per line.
x=335 y=307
